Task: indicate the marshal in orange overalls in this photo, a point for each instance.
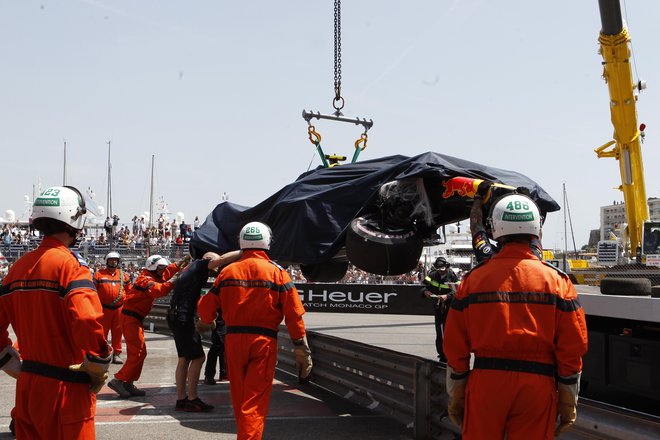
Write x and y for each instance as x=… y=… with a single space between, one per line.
x=254 y=294
x=111 y=287
x=49 y=299
x=137 y=305
x=514 y=312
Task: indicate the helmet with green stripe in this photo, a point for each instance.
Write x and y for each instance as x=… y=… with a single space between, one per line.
x=514 y=214
x=63 y=203
x=255 y=235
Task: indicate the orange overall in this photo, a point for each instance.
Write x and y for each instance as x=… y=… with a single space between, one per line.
x=111 y=286
x=48 y=297
x=254 y=294
x=522 y=320
x=137 y=305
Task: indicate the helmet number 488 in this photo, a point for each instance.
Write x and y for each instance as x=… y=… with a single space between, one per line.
x=517 y=205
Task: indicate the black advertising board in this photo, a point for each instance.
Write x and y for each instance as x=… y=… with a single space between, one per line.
x=396 y=299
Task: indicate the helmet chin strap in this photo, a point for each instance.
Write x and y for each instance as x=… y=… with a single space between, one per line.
x=73 y=233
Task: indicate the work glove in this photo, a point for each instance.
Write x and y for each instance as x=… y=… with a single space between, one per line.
x=183 y=262
x=568 y=388
x=174 y=278
x=303 y=359
x=203 y=327
x=10 y=361
x=96 y=368
x=456 y=383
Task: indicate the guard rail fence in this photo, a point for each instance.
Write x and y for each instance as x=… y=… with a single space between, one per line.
x=411 y=389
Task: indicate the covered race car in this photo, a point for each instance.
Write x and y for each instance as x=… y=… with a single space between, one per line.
x=377 y=214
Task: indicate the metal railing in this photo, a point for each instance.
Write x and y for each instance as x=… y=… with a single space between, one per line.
x=411 y=389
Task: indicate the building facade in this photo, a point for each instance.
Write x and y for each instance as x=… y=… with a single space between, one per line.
x=613 y=216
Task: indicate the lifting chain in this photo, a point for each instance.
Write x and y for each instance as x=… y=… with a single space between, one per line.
x=338 y=101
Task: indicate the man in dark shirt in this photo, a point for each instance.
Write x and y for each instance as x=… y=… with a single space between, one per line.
x=181 y=320
x=437 y=287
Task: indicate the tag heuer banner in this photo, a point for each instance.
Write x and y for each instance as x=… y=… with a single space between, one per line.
x=396 y=299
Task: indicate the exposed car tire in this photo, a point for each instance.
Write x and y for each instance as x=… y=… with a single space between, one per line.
x=328 y=272
x=625 y=286
x=382 y=251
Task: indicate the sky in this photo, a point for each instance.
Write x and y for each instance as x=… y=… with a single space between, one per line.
x=214 y=91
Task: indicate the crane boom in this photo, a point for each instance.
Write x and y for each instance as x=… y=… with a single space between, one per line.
x=626 y=147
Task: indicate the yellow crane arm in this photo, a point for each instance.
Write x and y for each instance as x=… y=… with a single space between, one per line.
x=626 y=147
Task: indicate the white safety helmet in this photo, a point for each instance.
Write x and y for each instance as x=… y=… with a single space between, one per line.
x=255 y=235
x=111 y=255
x=63 y=203
x=155 y=261
x=514 y=214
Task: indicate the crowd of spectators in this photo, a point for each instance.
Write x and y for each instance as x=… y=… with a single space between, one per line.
x=358 y=276
x=14 y=234
x=163 y=234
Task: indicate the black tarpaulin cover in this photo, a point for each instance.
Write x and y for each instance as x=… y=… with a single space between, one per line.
x=309 y=216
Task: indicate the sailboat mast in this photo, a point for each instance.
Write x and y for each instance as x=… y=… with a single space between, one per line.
x=109 y=191
x=151 y=204
x=64 y=167
x=565 y=232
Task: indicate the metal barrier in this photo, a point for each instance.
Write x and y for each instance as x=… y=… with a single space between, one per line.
x=411 y=389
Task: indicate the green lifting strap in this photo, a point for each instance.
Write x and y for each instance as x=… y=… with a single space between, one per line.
x=320 y=151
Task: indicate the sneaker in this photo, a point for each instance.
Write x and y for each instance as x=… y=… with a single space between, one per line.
x=119 y=387
x=181 y=404
x=209 y=381
x=133 y=390
x=197 y=405
x=116 y=359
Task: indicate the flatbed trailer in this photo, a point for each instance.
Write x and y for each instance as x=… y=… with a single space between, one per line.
x=622 y=365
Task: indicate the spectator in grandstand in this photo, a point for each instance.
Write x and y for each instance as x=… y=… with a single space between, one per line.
x=135 y=222
x=101 y=240
x=196 y=223
x=175 y=230
x=107 y=225
x=126 y=238
x=183 y=227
